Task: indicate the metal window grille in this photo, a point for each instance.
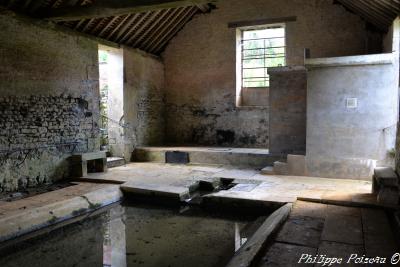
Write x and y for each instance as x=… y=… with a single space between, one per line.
x=261 y=49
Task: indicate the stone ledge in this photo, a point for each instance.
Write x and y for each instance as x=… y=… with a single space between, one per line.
x=156 y=190
x=286 y=69
x=376 y=59
x=89 y=156
x=386 y=176
x=252 y=248
x=16 y=224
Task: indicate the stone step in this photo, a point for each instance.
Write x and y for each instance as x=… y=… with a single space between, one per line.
x=244 y=157
x=269 y=170
x=296 y=165
x=113 y=162
x=386 y=185
x=281 y=168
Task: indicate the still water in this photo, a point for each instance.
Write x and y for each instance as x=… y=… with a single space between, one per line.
x=127 y=235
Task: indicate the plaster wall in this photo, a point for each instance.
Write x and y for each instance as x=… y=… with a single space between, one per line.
x=392 y=44
x=200 y=64
x=345 y=142
x=49 y=98
x=143 y=100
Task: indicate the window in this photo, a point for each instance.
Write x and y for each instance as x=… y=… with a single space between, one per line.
x=260 y=48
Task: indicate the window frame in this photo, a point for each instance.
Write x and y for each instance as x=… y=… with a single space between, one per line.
x=246 y=96
x=240 y=37
x=255 y=28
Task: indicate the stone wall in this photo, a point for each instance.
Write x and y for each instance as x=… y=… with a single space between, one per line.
x=345 y=141
x=49 y=99
x=288 y=108
x=144 y=113
x=200 y=65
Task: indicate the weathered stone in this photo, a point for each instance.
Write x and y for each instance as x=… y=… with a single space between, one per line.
x=343 y=228
x=280 y=254
x=146 y=189
x=388 y=195
x=385 y=176
x=303 y=231
x=41 y=88
x=246 y=254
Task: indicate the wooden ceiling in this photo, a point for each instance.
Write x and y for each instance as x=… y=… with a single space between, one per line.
x=145 y=24
x=150 y=24
x=379 y=13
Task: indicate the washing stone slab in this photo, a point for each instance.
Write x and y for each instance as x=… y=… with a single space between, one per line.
x=53 y=211
x=247 y=254
x=156 y=190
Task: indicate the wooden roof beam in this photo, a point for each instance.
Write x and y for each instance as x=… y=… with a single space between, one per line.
x=108 y=8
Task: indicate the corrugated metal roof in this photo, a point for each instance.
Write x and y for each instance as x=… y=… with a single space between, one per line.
x=150 y=31
x=379 y=13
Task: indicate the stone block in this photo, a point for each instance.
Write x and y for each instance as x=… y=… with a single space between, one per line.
x=296 y=165
x=281 y=168
x=385 y=176
x=82 y=164
x=156 y=190
x=269 y=170
x=388 y=196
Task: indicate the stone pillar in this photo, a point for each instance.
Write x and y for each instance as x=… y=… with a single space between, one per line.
x=287 y=116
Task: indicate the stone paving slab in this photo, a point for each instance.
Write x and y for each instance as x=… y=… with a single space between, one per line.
x=378 y=237
x=54 y=207
x=285 y=255
x=303 y=231
x=343 y=229
x=309 y=209
x=244 y=187
x=340 y=250
x=156 y=190
x=335 y=210
x=279 y=189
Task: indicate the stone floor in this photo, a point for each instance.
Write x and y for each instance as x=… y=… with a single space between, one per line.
x=267 y=188
x=333 y=231
x=27 y=215
x=100 y=189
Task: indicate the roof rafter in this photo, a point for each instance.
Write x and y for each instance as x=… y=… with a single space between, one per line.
x=108 y=8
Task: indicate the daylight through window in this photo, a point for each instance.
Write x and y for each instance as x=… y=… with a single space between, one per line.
x=261 y=48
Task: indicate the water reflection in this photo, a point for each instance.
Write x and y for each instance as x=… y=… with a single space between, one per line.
x=114 y=244
x=135 y=236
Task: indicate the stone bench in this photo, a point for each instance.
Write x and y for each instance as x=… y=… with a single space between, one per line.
x=84 y=163
x=386 y=185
